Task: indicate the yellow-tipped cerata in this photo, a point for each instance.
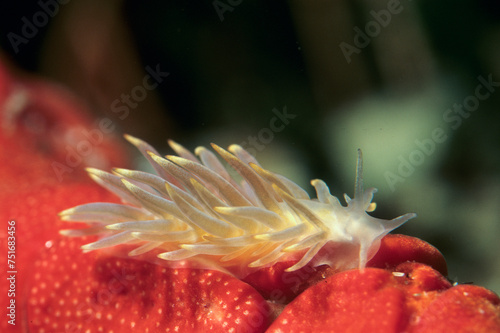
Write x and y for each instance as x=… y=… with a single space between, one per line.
x=193 y=211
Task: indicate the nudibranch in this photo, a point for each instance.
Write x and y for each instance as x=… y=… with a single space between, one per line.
x=194 y=212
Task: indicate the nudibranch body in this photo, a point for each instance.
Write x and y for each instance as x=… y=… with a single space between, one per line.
x=194 y=212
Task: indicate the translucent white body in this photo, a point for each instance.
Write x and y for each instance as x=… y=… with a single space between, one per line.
x=193 y=211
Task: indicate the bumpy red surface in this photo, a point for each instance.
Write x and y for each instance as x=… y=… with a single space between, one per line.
x=72 y=291
x=395 y=249
x=412 y=298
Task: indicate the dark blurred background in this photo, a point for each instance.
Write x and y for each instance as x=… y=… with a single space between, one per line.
x=303 y=84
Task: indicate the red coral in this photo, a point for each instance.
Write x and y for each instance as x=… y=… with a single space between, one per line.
x=412 y=298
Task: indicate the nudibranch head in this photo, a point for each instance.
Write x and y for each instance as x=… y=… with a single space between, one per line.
x=194 y=211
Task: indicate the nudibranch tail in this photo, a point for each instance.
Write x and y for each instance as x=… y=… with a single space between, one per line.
x=194 y=211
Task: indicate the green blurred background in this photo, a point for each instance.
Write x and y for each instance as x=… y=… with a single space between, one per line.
x=231 y=63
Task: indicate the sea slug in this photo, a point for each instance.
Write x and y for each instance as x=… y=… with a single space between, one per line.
x=193 y=212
